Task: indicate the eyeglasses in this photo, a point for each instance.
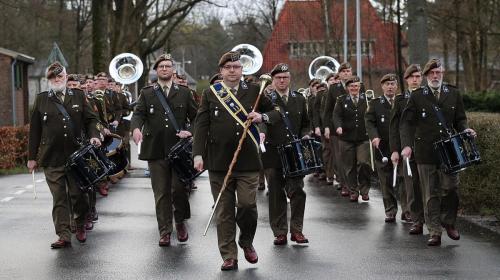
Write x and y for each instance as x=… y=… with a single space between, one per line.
x=164 y=66
x=234 y=67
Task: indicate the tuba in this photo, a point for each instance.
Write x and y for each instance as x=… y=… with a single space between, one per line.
x=250 y=57
x=322 y=66
x=126 y=68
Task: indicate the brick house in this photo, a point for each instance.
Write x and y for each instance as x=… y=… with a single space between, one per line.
x=14 y=108
x=299 y=37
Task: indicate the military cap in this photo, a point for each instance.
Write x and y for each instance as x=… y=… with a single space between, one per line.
x=229 y=56
x=181 y=76
x=163 y=57
x=110 y=80
x=344 y=65
x=280 y=68
x=431 y=64
x=352 y=79
x=313 y=81
x=335 y=75
x=54 y=69
x=215 y=77
x=322 y=85
x=101 y=75
x=388 y=77
x=412 y=69
x=73 y=77
x=89 y=77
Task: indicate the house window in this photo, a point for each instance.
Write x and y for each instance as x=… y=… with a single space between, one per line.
x=18 y=75
x=312 y=49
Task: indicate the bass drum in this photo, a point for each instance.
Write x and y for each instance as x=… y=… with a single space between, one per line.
x=181 y=159
x=88 y=165
x=115 y=151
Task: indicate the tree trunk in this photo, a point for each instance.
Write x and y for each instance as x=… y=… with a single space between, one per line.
x=417 y=32
x=99 y=36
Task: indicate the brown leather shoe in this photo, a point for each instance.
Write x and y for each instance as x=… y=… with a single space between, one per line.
x=406 y=217
x=354 y=197
x=250 y=254
x=344 y=192
x=60 y=243
x=280 y=240
x=164 y=240
x=182 y=233
x=435 y=240
x=229 y=264
x=452 y=232
x=81 y=234
x=365 y=197
x=390 y=217
x=299 y=238
x=416 y=229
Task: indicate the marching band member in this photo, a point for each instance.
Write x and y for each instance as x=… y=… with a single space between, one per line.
x=58 y=118
x=160 y=108
x=217 y=132
x=287 y=121
x=431 y=111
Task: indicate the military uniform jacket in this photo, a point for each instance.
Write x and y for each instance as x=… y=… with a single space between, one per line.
x=400 y=102
x=319 y=105
x=421 y=124
x=351 y=118
x=331 y=98
x=275 y=129
x=51 y=140
x=377 y=120
x=158 y=133
x=311 y=100
x=217 y=133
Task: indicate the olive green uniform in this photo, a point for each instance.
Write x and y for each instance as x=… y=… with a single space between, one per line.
x=319 y=121
x=216 y=137
x=354 y=146
x=412 y=183
x=51 y=142
x=159 y=136
x=421 y=127
x=280 y=187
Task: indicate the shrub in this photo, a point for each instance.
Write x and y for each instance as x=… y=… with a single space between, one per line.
x=482 y=101
x=480 y=185
x=13 y=146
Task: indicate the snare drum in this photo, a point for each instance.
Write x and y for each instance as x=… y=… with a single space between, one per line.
x=457 y=152
x=115 y=151
x=181 y=159
x=300 y=157
x=88 y=165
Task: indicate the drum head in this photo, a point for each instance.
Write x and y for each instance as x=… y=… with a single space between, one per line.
x=112 y=143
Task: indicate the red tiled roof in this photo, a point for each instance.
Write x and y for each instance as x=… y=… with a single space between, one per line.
x=302 y=21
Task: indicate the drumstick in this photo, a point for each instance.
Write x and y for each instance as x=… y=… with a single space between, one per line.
x=139 y=147
x=34 y=186
x=262 y=148
x=384 y=158
x=394 y=175
x=408 y=166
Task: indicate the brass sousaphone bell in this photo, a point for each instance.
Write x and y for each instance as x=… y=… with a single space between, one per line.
x=126 y=68
x=323 y=66
x=250 y=57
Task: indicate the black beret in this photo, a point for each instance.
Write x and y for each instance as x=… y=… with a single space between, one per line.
x=433 y=63
x=322 y=85
x=73 y=77
x=229 y=56
x=280 y=68
x=163 y=57
x=352 y=79
x=53 y=70
x=313 y=81
x=412 y=69
x=101 y=75
x=336 y=75
x=388 y=77
x=215 y=77
x=344 y=65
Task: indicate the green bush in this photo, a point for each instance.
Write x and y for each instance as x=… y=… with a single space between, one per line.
x=482 y=101
x=480 y=185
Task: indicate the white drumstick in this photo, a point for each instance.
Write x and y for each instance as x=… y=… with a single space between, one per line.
x=34 y=186
x=139 y=148
x=262 y=148
x=394 y=175
x=408 y=166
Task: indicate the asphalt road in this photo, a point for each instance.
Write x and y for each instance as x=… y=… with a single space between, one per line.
x=347 y=240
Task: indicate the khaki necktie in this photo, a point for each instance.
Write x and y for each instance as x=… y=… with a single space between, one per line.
x=165 y=90
x=355 y=101
x=285 y=99
x=60 y=95
x=436 y=94
x=391 y=102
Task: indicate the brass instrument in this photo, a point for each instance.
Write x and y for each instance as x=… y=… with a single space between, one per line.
x=250 y=57
x=323 y=66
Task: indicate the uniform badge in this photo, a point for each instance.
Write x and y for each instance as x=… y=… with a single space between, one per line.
x=244 y=85
x=445 y=89
x=382 y=119
x=70 y=92
x=425 y=92
x=176 y=86
x=345 y=105
x=216 y=113
x=75 y=106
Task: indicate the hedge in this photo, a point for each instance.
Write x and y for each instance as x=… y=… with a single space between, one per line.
x=480 y=185
x=13 y=146
x=482 y=101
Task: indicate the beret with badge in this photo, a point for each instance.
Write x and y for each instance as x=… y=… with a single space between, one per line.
x=352 y=79
x=344 y=65
x=54 y=69
x=431 y=64
x=280 y=68
x=229 y=56
x=389 y=77
x=411 y=69
x=163 y=57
